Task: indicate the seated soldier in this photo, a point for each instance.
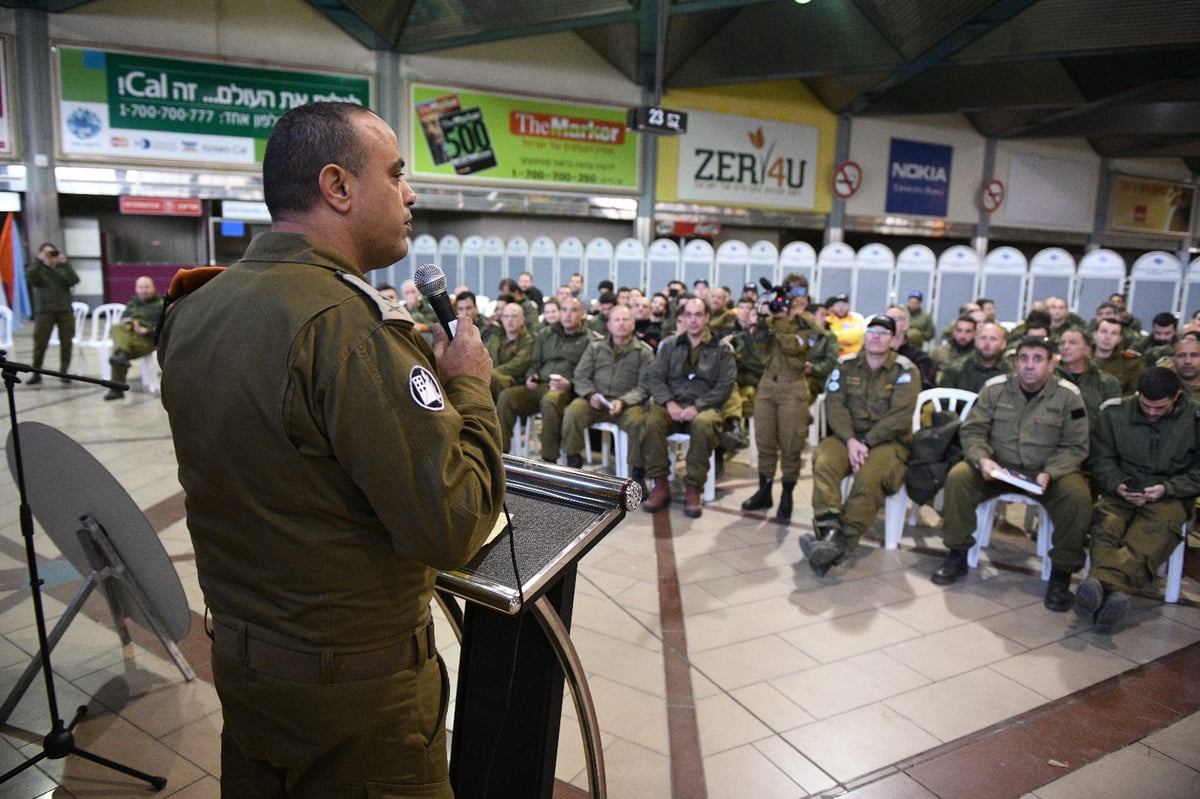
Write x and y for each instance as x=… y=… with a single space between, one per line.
x=691 y=379
x=134 y=335
x=986 y=362
x=511 y=349
x=1075 y=364
x=960 y=344
x=822 y=352
x=1032 y=424
x=1163 y=330
x=1185 y=360
x=1145 y=456
x=1123 y=364
x=548 y=388
x=610 y=382
x=869 y=402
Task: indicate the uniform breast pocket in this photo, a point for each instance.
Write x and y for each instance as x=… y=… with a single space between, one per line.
x=1046 y=426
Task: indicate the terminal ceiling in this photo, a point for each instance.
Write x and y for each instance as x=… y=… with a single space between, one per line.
x=1122 y=74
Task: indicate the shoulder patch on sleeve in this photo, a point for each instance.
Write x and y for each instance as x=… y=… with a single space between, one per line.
x=1078 y=413
x=905 y=377
x=425 y=389
x=387 y=309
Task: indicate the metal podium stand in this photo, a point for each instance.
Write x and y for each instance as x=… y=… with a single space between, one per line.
x=516 y=646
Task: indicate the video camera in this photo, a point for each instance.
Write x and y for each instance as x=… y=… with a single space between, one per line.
x=782 y=301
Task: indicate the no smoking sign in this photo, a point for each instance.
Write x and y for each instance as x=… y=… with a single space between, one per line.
x=992 y=196
x=846 y=179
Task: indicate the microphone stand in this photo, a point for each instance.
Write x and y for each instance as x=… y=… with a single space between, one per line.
x=60 y=741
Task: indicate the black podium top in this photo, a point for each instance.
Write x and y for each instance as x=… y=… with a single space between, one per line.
x=559 y=514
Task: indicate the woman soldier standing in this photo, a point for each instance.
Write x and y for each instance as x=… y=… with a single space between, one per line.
x=782 y=336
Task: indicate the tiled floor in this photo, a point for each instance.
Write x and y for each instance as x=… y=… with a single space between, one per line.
x=719 y=665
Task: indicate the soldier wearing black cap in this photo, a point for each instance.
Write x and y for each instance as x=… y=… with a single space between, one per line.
x=869 y=402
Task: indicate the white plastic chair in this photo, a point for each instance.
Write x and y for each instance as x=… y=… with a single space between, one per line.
x=1154 y=281
x=100 y=334
x=80 y=310
x=150 y=378
x=985 y=517
x=1101 y=274
x=620 y=447
x=1003 y=278
x=1173 y=569
x=682 y=441
x=6 y=326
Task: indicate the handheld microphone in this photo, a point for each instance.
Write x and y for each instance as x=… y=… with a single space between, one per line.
x=431 y=282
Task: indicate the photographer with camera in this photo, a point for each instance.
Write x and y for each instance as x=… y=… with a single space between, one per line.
x=51 y=278
x=781 y=337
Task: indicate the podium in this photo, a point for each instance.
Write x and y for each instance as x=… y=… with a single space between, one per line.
x=516 y=646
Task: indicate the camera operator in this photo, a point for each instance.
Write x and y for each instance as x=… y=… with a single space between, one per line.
x=781 y=337
x=51 y=278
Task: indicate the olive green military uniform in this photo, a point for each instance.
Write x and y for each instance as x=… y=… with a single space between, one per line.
x=700 y=377
x=510 y=359
x=1046 y=433
x=1126 y=366
x=129 y=345
x=822 y=357
x=1095 y=385
x=969 y=373
x=781 y=404
x=876 y=407
x=948 y=353
x=329 y=475
x=617 y=373
x=597 y=324
x=555 y=352
x=922 y=323
x=749 y=373
x=52 y=308
x=423 y=314
x=1130 y=543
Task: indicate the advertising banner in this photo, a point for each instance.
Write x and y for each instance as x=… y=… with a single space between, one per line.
x=481 y=137
x=132 y=107
x=1157 y=206
x=918 y=178
x=736 y=160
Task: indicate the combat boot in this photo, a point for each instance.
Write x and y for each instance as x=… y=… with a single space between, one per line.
x=575 y=461
x=784 y=514
x=660 y=495
x=761 y=499
x=693 y=501
x=824 y=555
x=954 y=566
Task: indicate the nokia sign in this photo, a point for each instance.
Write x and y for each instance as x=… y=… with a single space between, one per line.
x=918 y=178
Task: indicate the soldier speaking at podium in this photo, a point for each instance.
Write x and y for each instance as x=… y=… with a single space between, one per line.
x=332 y=464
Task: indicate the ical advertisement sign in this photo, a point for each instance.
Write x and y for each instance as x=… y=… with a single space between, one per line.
x=480 y=137
x=1148 y=205
x=918 y=178
x=736 y=160
x=134 y=107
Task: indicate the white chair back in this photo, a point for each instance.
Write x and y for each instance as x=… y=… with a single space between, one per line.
x=762 y=262
x=1052 y=274
x=871 y=279
x=629 y=264
x=662 y=264
x=835 y=272
x=449 y=257
x=1101 y=274
x=698 y=259
x=732 y=263
x=1154 y=285
x=1003 y=281
x=799 y=257
x=957 y=282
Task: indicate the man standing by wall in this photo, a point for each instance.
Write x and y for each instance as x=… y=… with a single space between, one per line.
x=365 y=462
x=51 y=278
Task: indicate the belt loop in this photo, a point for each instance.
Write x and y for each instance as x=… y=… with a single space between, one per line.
x=424 y=646
x=208 y=629
x=328 y=672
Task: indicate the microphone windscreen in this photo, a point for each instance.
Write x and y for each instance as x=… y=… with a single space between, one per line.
x=430 y=280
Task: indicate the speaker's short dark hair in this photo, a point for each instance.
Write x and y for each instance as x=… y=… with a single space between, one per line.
x=301 y=144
